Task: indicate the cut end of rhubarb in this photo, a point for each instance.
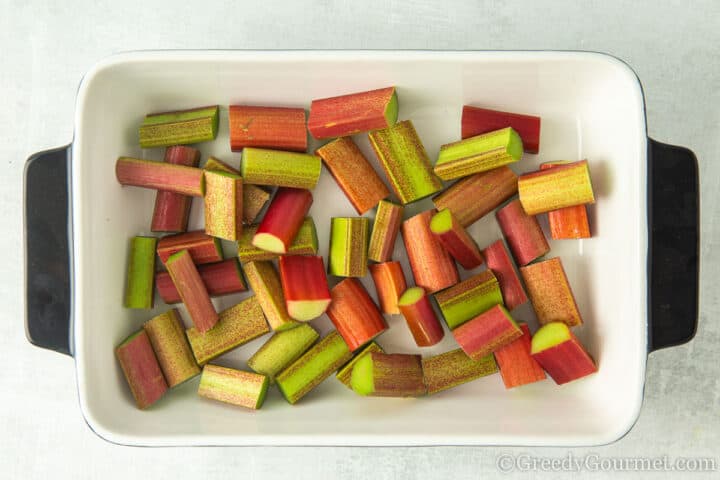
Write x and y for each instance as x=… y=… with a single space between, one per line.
x=549 y=335
x=515 y=145
x=411 y=296
x=268 y=242
x=306 y=310
x=361 y=379
x=263 y=393
x=441 y=222
x=391 y=112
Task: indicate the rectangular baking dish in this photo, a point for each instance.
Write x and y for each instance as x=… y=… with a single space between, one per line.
x=635 y=280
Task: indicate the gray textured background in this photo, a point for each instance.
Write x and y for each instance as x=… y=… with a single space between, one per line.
x=46 y=49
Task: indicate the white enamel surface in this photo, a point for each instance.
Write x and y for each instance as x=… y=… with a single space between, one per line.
x=591 y=106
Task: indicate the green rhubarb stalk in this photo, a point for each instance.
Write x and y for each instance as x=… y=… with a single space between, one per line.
x=305 y=243
x=180 y=127
x=469 y=298
x=245 y=389
x=386 y=226
x=167 y=336
x=348 y=246
x=265 y=282
x=479 y=154
x=345 y=372
x=454 y=368
x=141 y=273
x=283 y=169
x=223 y=205
x=282 y=349
x=254 y=197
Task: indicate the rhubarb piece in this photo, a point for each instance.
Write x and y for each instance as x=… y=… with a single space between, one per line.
x=192 y=290
x=167 y=337
x=568 y=222
x=469 y=298
x=267 y=127
x=305 y=243
x=180 y=179
x=476 y=121
x=473 y=197
x=236 y=326
x=345 y=372
x=347 y=255
x=283 y=169
x=281 y=350
x=353 y=113
x=180 y=127
x=245 y=389
x=550 y=292
x=314 y=366
x=561 y=354
x=221 y=278
x=172 y=210
x=202 y=247
x=283 y=220
x=522 y=232
x=498 y=261
x=389 y=281
x=254 y=197
x=353 y=173
x=559 y=187
x=517 y=366
x=455 y=239
x=454 y=368
x=405 y=161
x=478 y=154
x=141 y=369
x=432 y=266
x=354 y=314
x=420 y=317
x=388 y=375
x=305 y=286
x=386 y=226
x=223 y=205
x=140 y=273
x=265 y=282
x=487 y=333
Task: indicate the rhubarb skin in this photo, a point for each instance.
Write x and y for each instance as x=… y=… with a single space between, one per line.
x=354 y=314
x=522 y=232
x=223 y=205
x=559 y=187
x=167 y=337
x=473 y=197
x=202 y=247
x=487 y=332
x=347 y=255
x=141 y=368
x=569 y=222
x=353 y=113
x=221 y=278
x=236 y=326
x=517 y=366
x=476 y=121
x=386 y=227
x=283 y=220
x=432 y=266
x=179 y=127
x=561 y=354
x=282 y=349
x=420 y=317
x=405 y=162
x=550 y=292
x=254 y=197
x=455 y=239
x=454 y=368
x=267 y=127
x=388 y=375
x=499 y=262
x=141 y=265
x=192 y=290
x=244 y=389
x=305 y=243
x=389 y=281
x=261 y=166
x=265 y=282
x=353 y=173
x=469 y=298
x=305 y=286
x=172 y=210
x=136 y=172
x=345 y=373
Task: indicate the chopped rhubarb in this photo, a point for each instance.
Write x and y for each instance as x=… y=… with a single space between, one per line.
x=455 y=239
x=487 y=333
x=420 y=317
x=223 y=205
x=388 y=375
x=221 y=278
x=561 y=354
x=559 y=187
x=141 y=368
x=262 y=166
x=267 y=127
x=245 y=389
x=550 y=292
x=517 y=366
x=192 y=290
x=568 y=222
x=345 y=373
x=167 y=336
x=454 y=368
x=499 y=262
x=522 y=232
x=469 y=298
x=386 y=226
x=353 y=113
x=282 y=349
x=202 y=247
x=140 y=273
x=389 y=281
x=283 y=220
x=180 y=179
x=180 y=127
x=172 y=210
x=347 y=255
x=265 y=282
x=354 y=314
x=305 y=286
x=476 y=121
x=254 y=197
x=305 y=243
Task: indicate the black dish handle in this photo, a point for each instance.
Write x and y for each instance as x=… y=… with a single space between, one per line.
x=673 y=260
x=47 y=250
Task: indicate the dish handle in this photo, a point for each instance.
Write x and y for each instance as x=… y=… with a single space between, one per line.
x=47 y=250
x=673 y=260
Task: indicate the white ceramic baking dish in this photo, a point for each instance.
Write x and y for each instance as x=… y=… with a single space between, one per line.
x=635 y=280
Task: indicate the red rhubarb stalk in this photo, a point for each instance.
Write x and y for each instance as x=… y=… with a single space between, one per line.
x=192 y=290
x=283 y=219
x=305 y=286
x=221 y=278
x=498 y=260
x=267 y=127
x=517 y=366
x=172 y=210
x=476 y=121
x=561 y=354
x=568 y=222
x=522 y=232
x=141 y=368
x=550 y=292
x=354 y=314
x=202 y=247
x=389 y=283
x=455 y=239
x=420 y=317
x=487 y=332
x=353 y=113
x=160 y=176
